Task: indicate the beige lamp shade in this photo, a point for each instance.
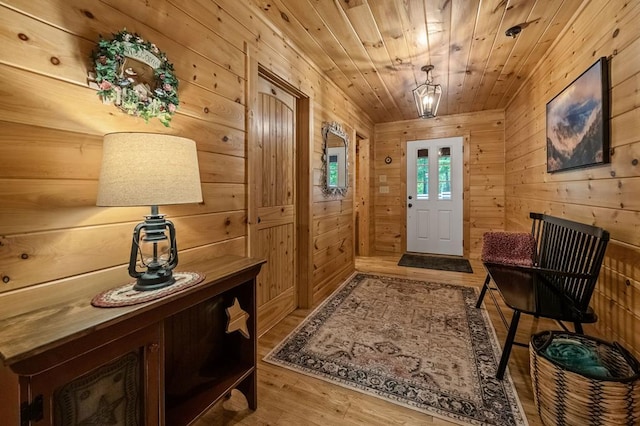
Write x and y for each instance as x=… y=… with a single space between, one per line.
x=146 y=169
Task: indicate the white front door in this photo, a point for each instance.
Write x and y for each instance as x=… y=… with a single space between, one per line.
x=434 y=196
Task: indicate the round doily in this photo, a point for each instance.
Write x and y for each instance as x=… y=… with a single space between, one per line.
x=125 y=295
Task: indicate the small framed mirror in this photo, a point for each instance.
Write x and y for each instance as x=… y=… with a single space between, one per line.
x=335 y=164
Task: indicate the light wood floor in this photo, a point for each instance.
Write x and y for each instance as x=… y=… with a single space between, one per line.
x=289 y=398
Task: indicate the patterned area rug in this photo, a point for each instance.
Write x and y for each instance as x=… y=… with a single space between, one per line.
x=419 y=344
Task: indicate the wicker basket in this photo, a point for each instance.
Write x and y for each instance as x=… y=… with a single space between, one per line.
x=564 y=396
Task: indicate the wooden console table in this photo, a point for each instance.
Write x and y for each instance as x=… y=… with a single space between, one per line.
x=161 y=362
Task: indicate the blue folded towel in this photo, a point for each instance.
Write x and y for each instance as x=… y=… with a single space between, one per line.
x=574 y=355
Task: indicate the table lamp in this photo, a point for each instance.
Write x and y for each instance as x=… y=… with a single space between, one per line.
x=146 y=169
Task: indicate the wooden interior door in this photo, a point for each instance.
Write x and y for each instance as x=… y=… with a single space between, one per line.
x=275 y=204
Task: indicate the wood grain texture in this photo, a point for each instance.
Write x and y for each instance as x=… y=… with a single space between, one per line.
x=52 y=127
x=320 y=102
x=275 y=193
x=79 y=318
x=50 y=146
x=363 y=221
x=483 y=180
x=374 y=50
x=603 y=195
x=34 y=258
x=171 y=339
x=288 y=397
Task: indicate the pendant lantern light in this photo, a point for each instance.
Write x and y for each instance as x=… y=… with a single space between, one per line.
x=427 y=95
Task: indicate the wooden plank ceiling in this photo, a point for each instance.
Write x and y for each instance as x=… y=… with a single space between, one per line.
x=374 y=49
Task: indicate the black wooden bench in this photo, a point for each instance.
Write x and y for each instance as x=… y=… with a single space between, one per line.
x=567 y=257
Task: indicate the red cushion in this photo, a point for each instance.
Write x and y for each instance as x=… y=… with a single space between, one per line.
x=513 y=248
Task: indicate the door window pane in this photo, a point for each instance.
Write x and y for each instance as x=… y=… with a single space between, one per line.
x=444 y=173
x=422 y=174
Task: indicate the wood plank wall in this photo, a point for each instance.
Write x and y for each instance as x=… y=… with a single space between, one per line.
x=483 y=134
x=606 y=195
x=51 y=232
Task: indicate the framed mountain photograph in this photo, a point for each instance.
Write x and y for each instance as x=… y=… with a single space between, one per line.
x=578 y=121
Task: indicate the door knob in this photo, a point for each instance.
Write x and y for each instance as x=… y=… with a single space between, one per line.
x=410 y=205
x=410 y=197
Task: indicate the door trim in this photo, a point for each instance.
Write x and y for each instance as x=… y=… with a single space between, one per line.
x=362 y=196
x=303 y=184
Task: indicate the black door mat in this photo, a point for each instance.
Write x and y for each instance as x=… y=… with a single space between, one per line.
x=441 y=263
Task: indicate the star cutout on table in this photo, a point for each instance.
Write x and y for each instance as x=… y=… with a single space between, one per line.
x=237 y=319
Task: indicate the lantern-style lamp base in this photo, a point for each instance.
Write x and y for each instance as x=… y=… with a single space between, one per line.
x=154 y=280
x=152 y=249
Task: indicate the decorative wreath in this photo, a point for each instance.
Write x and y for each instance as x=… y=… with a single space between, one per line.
x=117 y=82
